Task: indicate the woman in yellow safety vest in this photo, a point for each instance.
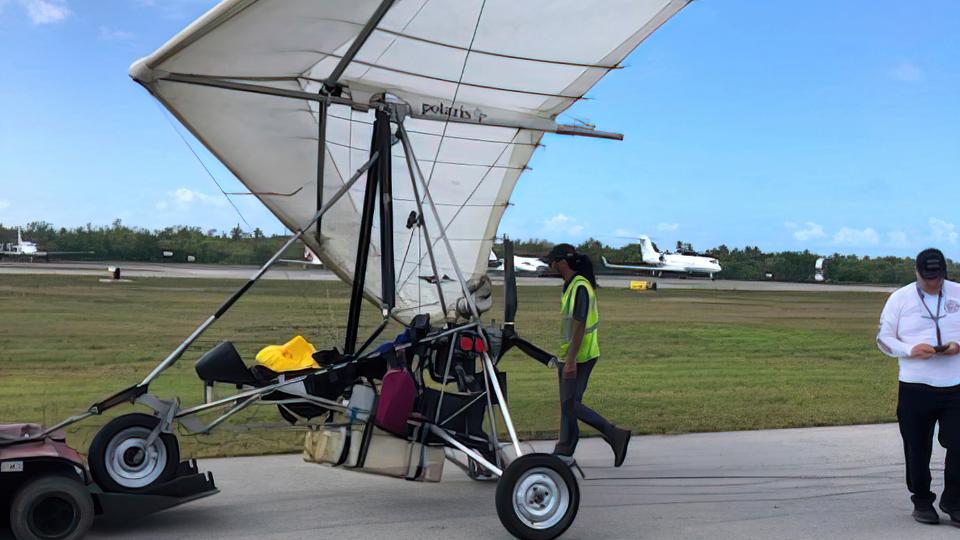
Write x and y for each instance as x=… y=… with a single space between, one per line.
x=579 y=352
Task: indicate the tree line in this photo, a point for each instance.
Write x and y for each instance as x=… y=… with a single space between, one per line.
x=753 y=264
x=119 y=242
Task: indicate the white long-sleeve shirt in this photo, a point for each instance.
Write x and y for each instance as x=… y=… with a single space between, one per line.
x=905 y=323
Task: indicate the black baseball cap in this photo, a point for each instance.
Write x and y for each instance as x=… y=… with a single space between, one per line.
x=560 y=251
x=931 y=264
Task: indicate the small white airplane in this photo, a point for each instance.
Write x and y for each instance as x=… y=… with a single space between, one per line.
x=819 y=269
x=658 y=264
x=309 y=259
x=522 y=265
x=25 y=248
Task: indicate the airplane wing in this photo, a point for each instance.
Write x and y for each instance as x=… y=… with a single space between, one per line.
x=481 y=82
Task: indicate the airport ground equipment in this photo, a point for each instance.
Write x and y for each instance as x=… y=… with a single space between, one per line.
x=47 y=492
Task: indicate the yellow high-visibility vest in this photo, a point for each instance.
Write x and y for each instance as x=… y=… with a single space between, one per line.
x=590 y=347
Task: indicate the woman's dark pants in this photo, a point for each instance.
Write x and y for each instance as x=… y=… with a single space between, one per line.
x=919 y=409
x=573 y=409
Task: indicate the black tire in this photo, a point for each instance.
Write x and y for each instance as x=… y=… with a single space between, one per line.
x=532 y=476
x=51 y=507
x=118 y=464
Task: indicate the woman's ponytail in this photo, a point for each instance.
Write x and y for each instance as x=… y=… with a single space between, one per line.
x=582 y=265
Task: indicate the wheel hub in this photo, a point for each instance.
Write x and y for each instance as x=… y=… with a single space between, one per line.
x=541 y=498
x=134 y=456
x=130 y=462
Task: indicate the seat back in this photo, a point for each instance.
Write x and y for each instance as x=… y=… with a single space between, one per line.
x=223 y=364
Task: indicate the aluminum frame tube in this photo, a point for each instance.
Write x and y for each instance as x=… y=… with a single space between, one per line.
x=411 y=167
x=178 y=352
x=489 y=369
x=213 y=82
x=363 y=249
x=472 y=454
x=321 y=155
x=388 y=289
x=358 y=42
x=443 y=232
x=491 y=372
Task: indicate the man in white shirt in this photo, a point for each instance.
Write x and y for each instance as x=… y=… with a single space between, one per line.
x=920 y=325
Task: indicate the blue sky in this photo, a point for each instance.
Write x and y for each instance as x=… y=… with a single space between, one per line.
x=822 y=125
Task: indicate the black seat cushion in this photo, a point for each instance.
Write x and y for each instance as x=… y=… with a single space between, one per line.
x=223 y=364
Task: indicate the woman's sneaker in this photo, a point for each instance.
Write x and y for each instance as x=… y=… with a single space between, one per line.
x=923 y=512
x=954 y=515
x=621 y=439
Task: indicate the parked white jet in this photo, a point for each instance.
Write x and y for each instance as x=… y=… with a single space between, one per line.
x=658 y=264
x=25 y=248
x=523 y=265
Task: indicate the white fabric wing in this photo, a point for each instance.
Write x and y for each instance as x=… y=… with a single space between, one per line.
x=516 y=65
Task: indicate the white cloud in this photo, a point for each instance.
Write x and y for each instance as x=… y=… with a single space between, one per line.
x=626 y=233
x=563 y=224
x=906 y=71
x=184 y=198
x=667 y=227
x=45 y=11
x=897 y=239
x=107 y=34
x=943 y=231
x=856 y=237
x=4 y=204
x=810 y=231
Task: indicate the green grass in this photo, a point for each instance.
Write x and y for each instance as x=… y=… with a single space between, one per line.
x=671 y=362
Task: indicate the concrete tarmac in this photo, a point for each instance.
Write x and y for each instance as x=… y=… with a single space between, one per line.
x=818 y=483
x=305 y=272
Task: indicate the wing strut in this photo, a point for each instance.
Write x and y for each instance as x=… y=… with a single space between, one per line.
x=379 y=183
x=321 y=157
x=358 y=42
x=490 y=370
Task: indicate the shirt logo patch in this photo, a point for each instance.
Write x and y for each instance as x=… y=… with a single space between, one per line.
x=952 y=306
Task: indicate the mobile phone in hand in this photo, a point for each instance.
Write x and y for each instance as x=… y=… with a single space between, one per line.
x=941 y=348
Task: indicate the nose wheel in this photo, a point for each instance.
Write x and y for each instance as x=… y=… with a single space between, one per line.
x=537 y=497
x=123 y=458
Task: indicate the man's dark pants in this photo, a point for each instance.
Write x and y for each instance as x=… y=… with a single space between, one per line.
x=919 y=409
x=572 y=409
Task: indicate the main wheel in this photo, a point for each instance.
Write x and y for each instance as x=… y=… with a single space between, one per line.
x=51 y=507
x=537 y=497
x=121 y=461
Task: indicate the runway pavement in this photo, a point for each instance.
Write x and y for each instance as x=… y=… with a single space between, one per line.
x=305 y=272
x=837 y=482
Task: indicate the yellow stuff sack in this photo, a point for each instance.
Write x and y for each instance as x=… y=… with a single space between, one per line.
x=293 y=355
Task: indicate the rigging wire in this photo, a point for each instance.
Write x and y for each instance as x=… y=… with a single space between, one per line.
x=465 y=203
x=446 y=124
x=388 y=47
x=456 y=92
x=166 y=115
